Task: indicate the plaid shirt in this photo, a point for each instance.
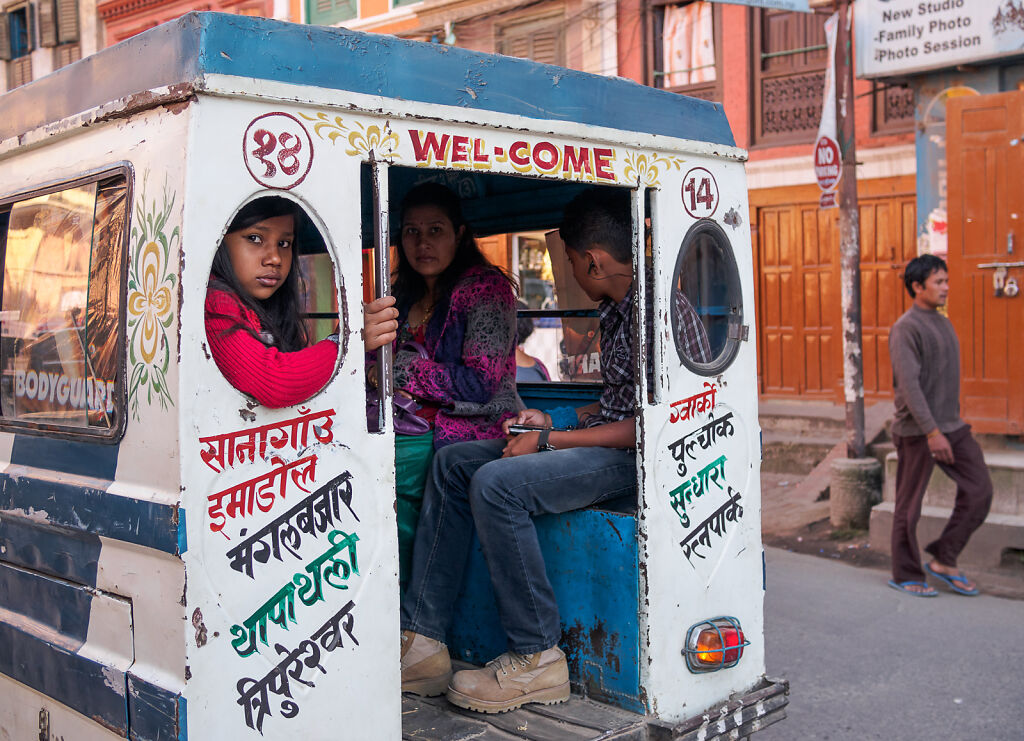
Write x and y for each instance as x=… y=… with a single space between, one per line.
x=618 y=359
x=693 y=338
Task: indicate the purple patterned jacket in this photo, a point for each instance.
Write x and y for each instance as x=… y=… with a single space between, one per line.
x=471 y=341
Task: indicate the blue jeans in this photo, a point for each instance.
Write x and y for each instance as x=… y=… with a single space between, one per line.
x=472 y=486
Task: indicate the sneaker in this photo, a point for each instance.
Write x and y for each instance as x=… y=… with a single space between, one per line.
x=426 y=666
x=512 y=680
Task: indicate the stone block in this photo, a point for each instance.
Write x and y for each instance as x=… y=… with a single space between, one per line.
x=856 y=486
x=1005 y=468
x=984 y=549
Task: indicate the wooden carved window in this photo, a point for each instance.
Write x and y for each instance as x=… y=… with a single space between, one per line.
x=892 y=109
x=541 y=39
x=789 y=60
x=684 y=42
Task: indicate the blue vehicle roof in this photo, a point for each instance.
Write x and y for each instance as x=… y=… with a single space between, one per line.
x=182 y=51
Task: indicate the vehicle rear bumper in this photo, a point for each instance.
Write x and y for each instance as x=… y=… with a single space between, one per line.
x=738 y=718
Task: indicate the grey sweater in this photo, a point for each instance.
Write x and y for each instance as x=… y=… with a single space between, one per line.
x=925 y=372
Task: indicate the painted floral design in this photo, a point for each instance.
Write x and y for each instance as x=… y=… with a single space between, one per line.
x=362 y=140
x=645 y=169
x=151 y=286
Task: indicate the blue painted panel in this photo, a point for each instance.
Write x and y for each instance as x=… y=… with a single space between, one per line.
x=70 y=456
x=434 y=73
x=591 y=560
x=153 y=712
x=334 y=58
x=59 y=606
x=546 y=396
x=92 y=510
x=68 y=678
x=70 y=554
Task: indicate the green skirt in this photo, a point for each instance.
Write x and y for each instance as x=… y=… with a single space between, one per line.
x=413 y=455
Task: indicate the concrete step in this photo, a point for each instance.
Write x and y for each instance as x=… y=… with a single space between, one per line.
x=802 y=418
x=998 y=536
x=798 y=455
x=1006 y=467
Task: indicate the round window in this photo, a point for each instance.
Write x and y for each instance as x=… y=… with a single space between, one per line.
x=706 y=300
x=273 y=325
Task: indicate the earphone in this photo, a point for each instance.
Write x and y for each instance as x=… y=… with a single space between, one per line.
x=593 y=267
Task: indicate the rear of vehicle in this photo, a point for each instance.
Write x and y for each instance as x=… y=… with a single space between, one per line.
x=177 y=558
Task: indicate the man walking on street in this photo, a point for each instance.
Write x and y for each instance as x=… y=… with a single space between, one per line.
x=928 y=430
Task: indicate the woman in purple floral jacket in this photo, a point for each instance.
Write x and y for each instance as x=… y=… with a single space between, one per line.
x=461 y=309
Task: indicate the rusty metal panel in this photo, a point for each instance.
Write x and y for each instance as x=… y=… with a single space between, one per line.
x=597 y=603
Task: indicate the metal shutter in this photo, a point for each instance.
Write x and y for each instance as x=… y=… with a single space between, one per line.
x=47 y=23
x=67 y=21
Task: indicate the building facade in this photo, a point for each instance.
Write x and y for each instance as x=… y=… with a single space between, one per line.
x=967 y=73
x=767 y=68
x=40 y=36
x=123 y=19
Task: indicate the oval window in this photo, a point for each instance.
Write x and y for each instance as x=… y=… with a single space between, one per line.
x=272 y=320
x=706 y=300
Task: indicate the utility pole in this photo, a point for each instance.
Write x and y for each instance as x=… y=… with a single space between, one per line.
x=849 y=241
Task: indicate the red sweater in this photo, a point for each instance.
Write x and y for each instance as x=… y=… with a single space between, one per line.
x=272 y=377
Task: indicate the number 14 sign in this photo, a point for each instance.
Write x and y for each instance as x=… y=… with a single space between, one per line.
x=700 y=193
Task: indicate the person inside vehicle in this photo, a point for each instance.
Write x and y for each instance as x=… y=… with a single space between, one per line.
x=254 y=324
x=452 y=322
x=528 y=368
x=495 y=487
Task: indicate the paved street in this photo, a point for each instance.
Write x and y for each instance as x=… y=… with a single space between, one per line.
x=866 y=662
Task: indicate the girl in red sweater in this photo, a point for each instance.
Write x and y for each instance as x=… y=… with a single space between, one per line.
x=253 y=323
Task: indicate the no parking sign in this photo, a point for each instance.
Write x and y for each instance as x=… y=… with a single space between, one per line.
x=828 y=161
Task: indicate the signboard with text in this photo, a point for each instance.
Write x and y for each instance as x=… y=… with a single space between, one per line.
x=898 y=37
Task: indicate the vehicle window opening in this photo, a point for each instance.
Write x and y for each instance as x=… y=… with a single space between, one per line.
x=61 y=307
x=706 y=301
x=516 y=221
x=274 y=256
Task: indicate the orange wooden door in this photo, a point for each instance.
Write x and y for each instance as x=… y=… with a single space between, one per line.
x=798 y=296
x=797 y=300
x=887 y=242
x=986 y=226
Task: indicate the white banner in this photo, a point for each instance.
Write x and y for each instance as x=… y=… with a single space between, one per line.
x=828 y=163
x=897 y=37
x=800 y=6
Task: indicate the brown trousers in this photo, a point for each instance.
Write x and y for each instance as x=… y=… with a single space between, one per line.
x=973 y=499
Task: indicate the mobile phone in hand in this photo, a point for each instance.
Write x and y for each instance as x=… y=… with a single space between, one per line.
x=520 y=429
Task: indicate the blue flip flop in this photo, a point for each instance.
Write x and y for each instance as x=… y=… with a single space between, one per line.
x=951 y=581
x=902 y=587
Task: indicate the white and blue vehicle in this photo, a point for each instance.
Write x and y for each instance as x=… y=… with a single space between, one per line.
x=144 y=596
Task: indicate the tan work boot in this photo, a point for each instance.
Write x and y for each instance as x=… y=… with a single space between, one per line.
x=512 y=680
x=426 y=666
